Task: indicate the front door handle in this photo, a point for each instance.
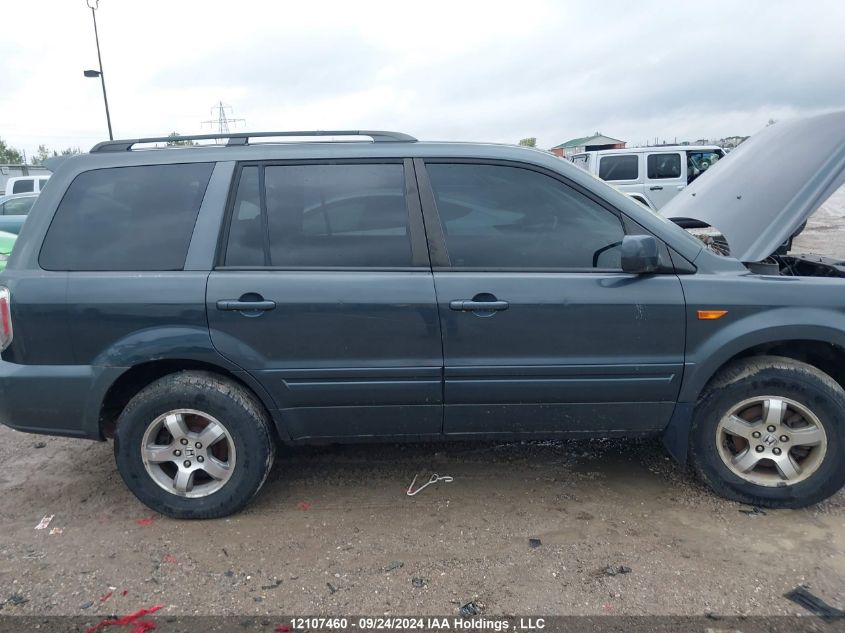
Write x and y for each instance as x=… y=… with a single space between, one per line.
x=656 y=188
x=245 y=306
x=463 y=305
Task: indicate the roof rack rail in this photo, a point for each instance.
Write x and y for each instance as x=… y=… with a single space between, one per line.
x=242 y=138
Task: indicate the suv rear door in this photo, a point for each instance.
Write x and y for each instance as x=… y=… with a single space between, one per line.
x=665 y=176
x=324 y=292
x=542 y=331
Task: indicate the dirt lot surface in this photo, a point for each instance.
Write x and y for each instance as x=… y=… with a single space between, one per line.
x=334 y=532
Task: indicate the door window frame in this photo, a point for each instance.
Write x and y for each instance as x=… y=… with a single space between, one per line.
x=440 y=261
x=416 y=227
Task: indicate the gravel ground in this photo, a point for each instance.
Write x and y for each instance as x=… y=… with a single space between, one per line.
x=333 y=532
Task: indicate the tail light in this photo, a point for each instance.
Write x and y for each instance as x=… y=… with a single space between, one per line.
x=5 y=318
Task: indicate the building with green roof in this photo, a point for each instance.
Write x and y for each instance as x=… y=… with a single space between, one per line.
x=587 y=144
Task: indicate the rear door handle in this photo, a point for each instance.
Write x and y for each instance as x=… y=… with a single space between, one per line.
x=463 y=305
x=245 y=306
x=656 y=188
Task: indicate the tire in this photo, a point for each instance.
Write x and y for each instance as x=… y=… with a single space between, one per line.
x=160 y=456
x=801 y=463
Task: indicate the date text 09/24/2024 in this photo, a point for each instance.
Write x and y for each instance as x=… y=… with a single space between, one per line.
x=418 y=623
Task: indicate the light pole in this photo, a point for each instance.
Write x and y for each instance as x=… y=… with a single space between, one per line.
x=93 y=5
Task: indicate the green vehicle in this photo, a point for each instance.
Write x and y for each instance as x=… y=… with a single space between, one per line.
x=7 y=241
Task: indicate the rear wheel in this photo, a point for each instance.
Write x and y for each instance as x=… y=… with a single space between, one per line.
x=769 y=431
x=194 y=445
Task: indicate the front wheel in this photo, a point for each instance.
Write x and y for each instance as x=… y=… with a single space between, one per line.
x=769 y=431
x=194 y=445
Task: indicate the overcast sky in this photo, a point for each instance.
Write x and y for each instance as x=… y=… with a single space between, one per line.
x=453 y=70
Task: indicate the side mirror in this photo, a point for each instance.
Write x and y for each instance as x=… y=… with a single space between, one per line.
x=640 y=254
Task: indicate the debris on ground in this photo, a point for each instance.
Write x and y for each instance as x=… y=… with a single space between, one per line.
x=169 y=558
x=145 y=521
x=418 y=582
x=15 y=600
x=331 y=587
x=613 y=570
x=108 y=595
x=303 y=505
x=44 y=523
x=229 y=574
x=396 y=564
x=753 y=511
x=39 y=445
x=138 y=625
x=87 y=605
x=56 y=530
x=534 y=543
x=276 y=583
x=800 y=595
x=469 y=609
x=435 y=478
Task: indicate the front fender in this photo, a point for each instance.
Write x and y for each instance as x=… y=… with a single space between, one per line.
x=706 y=355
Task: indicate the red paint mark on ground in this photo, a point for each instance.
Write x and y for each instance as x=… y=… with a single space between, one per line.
x=284 y=628
x=138 y=625
x=106 y=597
x=124 y=593
x=303 y=505
x=169 y=559
x=145 y=521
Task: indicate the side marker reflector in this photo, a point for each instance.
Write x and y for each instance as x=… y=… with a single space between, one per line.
x=711 y=315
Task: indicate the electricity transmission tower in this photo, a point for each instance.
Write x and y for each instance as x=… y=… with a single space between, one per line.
x=222 y=121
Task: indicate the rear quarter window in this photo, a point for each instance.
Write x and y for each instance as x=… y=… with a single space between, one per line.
x=581 y=160
x=126 y=218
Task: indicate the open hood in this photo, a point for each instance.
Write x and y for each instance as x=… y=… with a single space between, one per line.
x=763 y=191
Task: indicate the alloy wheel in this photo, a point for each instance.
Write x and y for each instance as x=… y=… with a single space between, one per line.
x=188 y=453
x=771 y=441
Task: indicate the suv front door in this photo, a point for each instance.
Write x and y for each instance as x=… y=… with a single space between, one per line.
x=665 y=176
x=324 y=293
x=542 y=331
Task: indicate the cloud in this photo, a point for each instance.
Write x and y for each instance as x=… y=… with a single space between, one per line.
x=451 y=70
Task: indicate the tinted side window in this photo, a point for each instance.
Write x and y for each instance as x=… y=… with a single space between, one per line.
x=663 y=166
x=507 y=217
x=337 y=215
x=126 y=218
x=619 y=167
x=18 y=206
x=23 y=186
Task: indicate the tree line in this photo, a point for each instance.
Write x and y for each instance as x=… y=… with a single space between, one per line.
x=13 y=156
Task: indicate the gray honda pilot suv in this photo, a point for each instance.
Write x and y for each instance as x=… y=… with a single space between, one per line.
x=200 y=304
